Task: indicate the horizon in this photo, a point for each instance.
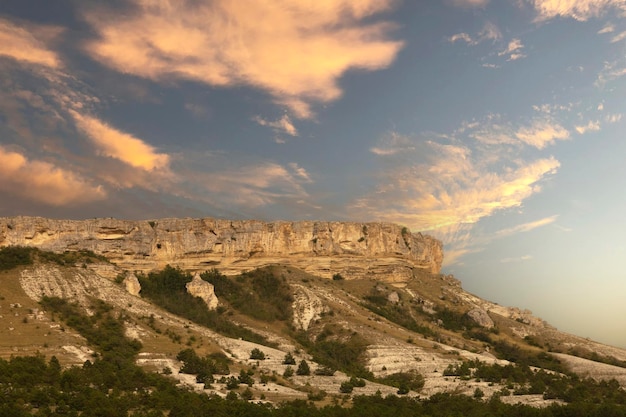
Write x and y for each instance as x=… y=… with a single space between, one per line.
x=496 y=127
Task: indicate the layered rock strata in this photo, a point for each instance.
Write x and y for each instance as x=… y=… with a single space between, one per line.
x=380 y=250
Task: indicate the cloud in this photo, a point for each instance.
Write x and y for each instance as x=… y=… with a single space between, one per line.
x=519 y=259
x=254 y=185
x=453 y=185
x=619 y=37
x=27 y=43
x=393 y=143
x=591 y=126
x=526 y=227
x=282 y=125
x=120 y=145
x=576 y=9
x=300 y=172
x=542 y=133
x=469 y=3
x=513 y=50
x=608 y=28
x=43 y=182
x=297 y=52
x=489 y=32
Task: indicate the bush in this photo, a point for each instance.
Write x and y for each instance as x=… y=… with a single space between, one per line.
x=338 y=277
x=346 y=387
x=303 y=368
x=257 y=354
x=289 y=359
x=288 y=372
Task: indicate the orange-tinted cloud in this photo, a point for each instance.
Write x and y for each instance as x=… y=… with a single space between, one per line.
x=27 y=43
x=577 y=9
x=120 y=145
x=453 y=186
x=296 y=50
x=43 y=182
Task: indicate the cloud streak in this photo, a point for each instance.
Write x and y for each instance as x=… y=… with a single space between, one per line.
x=120 y=145
x=297 y=52
x=27 y=43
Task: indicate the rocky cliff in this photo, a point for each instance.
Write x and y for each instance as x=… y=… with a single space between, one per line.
x=382 y=250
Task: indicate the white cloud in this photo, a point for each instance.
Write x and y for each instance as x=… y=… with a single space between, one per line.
x=300 y=172
x=513 y=50
x=392 y=143
x=542 y=133
x=297 y=52
x=525 y=227
x=489 y=32
x=44 y=182
x=469 y=3
x=608 y=28
x=282 y=125
x=591 y=126
x=519 y=259
x=576 y=9
x=613 y=118
x=619 y=37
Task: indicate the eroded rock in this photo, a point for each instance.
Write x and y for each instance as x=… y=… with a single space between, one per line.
x=205 y=290
x=481 y=318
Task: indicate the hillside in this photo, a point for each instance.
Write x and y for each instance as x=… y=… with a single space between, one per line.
x=419 y=337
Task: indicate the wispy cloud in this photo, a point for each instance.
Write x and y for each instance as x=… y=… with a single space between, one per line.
x=27 y=43
x=489 y=32
x=282 y=125
x=542 y=133
x=518 y=259
x=469 y=3
x=513 y=51
x=120 y=145
x=526 y=227
x=608 y=28
x=454 y=185
x=44 y=182
x=592 y=125
x=619 y=37
x=393 y=143
x=297 y=53
x=575 y=9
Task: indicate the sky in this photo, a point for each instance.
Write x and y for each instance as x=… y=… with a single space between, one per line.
x=495 y=126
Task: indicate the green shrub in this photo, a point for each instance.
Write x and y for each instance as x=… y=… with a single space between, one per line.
x=303 y=368
x=257 y=354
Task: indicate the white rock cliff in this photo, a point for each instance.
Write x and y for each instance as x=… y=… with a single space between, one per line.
x=380 y=250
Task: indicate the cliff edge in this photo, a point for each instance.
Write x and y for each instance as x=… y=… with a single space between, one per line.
x=383 y=251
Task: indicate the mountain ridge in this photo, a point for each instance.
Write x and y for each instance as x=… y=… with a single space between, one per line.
x=353 y=250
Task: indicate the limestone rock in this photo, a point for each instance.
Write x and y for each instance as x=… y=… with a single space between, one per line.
x=205 y=290
x=132 y=285
x=393 y=298
x=384 y=251
x=307 y=307
x=480 y=317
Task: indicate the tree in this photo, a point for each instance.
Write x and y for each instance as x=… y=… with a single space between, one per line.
x=257 y=354
x=289 y=359
x=303 y=368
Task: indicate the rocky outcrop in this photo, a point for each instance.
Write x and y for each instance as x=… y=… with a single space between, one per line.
x=481 y=318
x=205 y=290
x=132 y=285
x=380 y=250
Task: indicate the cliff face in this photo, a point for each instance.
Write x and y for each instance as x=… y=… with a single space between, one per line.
x=381 y=250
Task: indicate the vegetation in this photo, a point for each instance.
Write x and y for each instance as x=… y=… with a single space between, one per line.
x=338 y=349
x=14 y=256
x=404 y=381
x=257 y=354
x=258 y=294
x=166 y=289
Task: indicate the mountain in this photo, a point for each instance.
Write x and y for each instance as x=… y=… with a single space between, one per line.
x=361 y=303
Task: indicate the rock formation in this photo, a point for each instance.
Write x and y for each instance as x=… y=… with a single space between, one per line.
x=132 y=285
x=380 y=250
x=481 y=318
x=205 y=290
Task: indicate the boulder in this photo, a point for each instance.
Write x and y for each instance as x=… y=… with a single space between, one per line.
x=481 y=318
x=132 y=285
x=205 y=290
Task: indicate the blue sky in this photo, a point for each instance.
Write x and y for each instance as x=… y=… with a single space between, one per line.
x=496 y=126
